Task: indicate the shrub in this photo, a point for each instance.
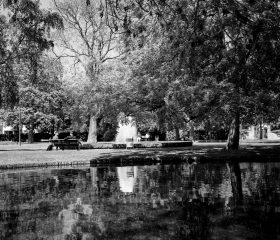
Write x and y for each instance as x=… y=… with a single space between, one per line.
x=109 y=135
x=116 y=145
x=176 y=144
x=87 y=146
x=83 y=136
x=62 y=135
x=138 y=145
x=39 y=136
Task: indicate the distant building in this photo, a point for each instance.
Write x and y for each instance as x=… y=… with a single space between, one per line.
x=254 y=132
x=4 y=129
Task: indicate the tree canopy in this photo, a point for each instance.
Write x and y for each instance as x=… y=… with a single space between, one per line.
x=24 y=28
x=171 y=64
x=203 y=59
x=42 y=104
x=90 y=40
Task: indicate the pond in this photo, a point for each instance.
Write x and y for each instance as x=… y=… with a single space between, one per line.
x=182 y=201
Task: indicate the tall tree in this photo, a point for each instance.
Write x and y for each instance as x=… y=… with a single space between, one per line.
x=42 y=103
x=24 y=27
x=252 y=32
x=109 y=96
x=214 y=56
x=90 y=39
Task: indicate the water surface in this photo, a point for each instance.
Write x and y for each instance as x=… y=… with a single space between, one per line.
x=203 y=201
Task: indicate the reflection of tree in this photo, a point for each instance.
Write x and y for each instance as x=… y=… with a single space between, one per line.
x=261 y=182
x=10 y=221
x=194 y=221
x=236 y=182
x=30 y=201
x=104 y=181
x=169 y=200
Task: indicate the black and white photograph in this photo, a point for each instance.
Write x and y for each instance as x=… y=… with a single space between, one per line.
x=139 y=120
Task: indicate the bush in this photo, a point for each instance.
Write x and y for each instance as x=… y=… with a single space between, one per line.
x=170 y=136
x=39 y=136
x=87 y=146
x=6 y=137
x=83 y=136
x=24 y=137
x=177 y=144
x=62 y=135
x=109 y=135
x=138 y=145
x=117 y=146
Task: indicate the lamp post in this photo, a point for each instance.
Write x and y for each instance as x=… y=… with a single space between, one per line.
x=19 y=127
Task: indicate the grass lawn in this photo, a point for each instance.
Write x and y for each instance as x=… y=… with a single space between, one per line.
x=11 y=154
x=36 y=153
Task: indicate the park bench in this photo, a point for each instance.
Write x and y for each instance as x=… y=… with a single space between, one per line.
x=66 y=143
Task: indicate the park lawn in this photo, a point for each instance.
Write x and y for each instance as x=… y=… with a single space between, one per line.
x=13 y=155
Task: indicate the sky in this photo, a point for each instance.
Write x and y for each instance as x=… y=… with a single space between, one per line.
x=69 y=71
x=46 y=4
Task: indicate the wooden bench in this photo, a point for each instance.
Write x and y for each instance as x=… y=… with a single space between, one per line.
x=66 y=143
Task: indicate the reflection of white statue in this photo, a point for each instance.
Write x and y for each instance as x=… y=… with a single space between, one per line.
x=94 y=177
x=70 y=216
x=127 y=177
x=127 y=130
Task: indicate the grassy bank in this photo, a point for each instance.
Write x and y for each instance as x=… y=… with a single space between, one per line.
x=35 y=155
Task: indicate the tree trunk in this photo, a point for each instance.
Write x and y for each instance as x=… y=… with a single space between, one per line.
x=31 y=133
x=234 y=132
x=177 y=134
x=92 y=132
x=261 y=131
x=236 y=182
x=191 y=130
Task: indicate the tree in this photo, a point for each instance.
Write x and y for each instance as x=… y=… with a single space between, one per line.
x=148 y=98
x=8 y=86
x=110 y=96
x=23 y=36
x=164 y=82
x=24 y=31
x=212 y=57
x=251 y=32
x=42 y=103
x=90 y=39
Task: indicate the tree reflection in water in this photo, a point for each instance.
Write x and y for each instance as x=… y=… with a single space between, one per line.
x=203 y=201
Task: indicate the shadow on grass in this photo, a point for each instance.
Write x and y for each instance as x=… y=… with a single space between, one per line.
x=189 y=155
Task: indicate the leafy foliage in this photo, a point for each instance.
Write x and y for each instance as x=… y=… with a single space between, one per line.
x=42 y=105
x=23 y=30
x=90 y=40
x=205 y=60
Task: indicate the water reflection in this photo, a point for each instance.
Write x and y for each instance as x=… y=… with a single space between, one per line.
x=203 y=201
x=127 y=177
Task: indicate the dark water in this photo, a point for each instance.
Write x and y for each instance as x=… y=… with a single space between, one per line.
x=203 y=201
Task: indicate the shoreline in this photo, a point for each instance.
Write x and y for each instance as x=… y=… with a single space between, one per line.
x=35 y=155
